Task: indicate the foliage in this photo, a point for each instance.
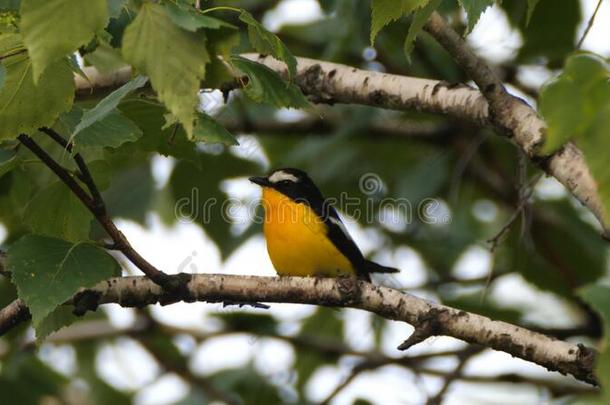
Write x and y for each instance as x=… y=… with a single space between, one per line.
x=170 y=112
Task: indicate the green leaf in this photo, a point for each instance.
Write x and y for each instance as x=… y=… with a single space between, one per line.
x=243 y=386
x=259 y=324
x=531 y=6
x=104 y=125
x=474 y=9
x=325 y=323
x=208 y=130
x=576 y=106
x=191 y=19
x=2 y=75
x=573 y=101
x=173 y=58
x=131 y=193
x=15 y=191
x=221 y=44
x=419 y=20
x=55 y=211
x=105 y=58
x=101 y=172
x=9 y=5
x=113 y=130
x=8 y=162
x=149 y=117
x=100 y=392
x=384 y=12
x=268 y=43
x=74 y=65
x=115 y=7
x=595 y=144
x=188 y=181
x=52 y=29
x=266 y=86
x=598 y=296
x=26 y=379
x=48 y=271
x=109 y=103
x=60 y=317
x=551 y=32
x=24 y=105
x=561 y=254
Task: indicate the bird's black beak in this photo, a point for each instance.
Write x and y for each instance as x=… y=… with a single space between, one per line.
x=261 y=181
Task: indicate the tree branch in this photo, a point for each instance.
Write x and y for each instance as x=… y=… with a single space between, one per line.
x=327 y=82
x=522 y=123
x=554 y=355
x=94 y=204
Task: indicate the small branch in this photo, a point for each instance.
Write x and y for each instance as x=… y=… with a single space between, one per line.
x=479 y=72
x=589 y=25
x=99 y=82
x=555 y=355
x=3 y=271
x=463 y=358
x=423 y=330
x=59 y=171
x=86 y=177
x=524 y=196
x=12 y=315
x=96 y=207
x=521 y=122
x=556 y=388
x=348 y=380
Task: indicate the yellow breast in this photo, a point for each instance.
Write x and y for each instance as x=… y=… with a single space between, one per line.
x=297 y=241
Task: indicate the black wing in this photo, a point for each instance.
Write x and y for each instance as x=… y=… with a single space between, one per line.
x=338 y=235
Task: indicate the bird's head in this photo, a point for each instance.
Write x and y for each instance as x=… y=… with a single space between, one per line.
x=291 y=182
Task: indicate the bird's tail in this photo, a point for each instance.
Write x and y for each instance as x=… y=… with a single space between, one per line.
x=372 y=267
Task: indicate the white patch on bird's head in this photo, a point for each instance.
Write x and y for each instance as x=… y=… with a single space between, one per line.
x=281 y=175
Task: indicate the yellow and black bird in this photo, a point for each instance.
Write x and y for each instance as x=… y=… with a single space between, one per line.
x=305 y=236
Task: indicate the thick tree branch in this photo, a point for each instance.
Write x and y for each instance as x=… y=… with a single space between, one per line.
x=327 y=82
x=522 y=123
x=99 y=82
x=555 y=355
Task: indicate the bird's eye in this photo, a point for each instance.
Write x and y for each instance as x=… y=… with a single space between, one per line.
x=285 y=182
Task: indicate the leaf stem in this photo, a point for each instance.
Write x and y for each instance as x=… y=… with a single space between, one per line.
x=221 y=8
x=589 y=25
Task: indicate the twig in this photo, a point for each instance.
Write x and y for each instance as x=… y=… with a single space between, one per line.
x=554 y=387
x=97 y=209
x=515 y=118
x=463 y=358
x=356 y=371
x=461 y=165
x=94 y=330
x=523 y=202
x=86 y=177
x=3 y=271
x=180 y=367
x=589 y=25
x=12 y=315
